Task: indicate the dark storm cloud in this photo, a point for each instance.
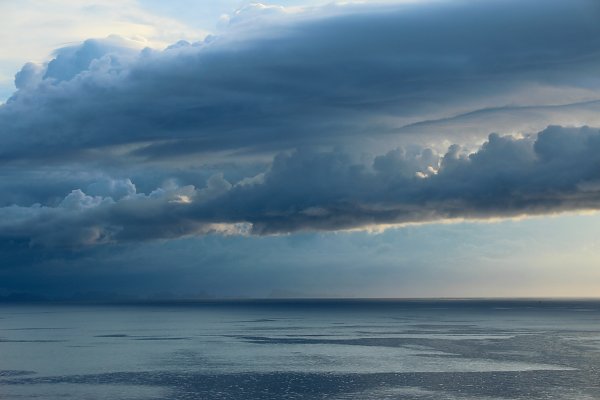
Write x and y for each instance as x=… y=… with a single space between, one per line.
x=92 y=142
x=275 y=80
x=554 y=171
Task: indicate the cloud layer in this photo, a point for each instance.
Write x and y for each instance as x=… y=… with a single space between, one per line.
x=554 y=171
x=276 y=79
x=270 y=126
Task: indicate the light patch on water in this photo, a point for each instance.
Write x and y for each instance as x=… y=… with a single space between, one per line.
x=416 y=393
x=82 y=391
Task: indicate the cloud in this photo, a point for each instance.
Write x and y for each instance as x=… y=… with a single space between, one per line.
x=320 y=76
x=554 y=171
x=199 y=167
x=32 y=29
x=268 y=127
x=551 y=172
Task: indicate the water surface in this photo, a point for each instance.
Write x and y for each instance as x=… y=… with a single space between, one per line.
x=302 y=350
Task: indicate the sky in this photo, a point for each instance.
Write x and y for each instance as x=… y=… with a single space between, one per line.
x=192 y=149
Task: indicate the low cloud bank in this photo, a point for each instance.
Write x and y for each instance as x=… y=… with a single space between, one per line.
x=554 y=171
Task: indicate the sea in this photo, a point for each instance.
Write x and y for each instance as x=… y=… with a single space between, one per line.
x=302 y=349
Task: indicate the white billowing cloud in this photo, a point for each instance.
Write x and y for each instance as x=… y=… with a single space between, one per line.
x=115 y=188
x=81 y=219
x=32 y=29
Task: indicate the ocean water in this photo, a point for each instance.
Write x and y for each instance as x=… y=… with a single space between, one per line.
x=435 y=349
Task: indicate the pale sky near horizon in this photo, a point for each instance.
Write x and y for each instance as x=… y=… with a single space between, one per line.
x=304 y=149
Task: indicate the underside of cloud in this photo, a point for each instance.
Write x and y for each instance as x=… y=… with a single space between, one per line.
x=557 y=170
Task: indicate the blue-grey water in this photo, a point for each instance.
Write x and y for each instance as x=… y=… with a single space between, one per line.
x=302 y=350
